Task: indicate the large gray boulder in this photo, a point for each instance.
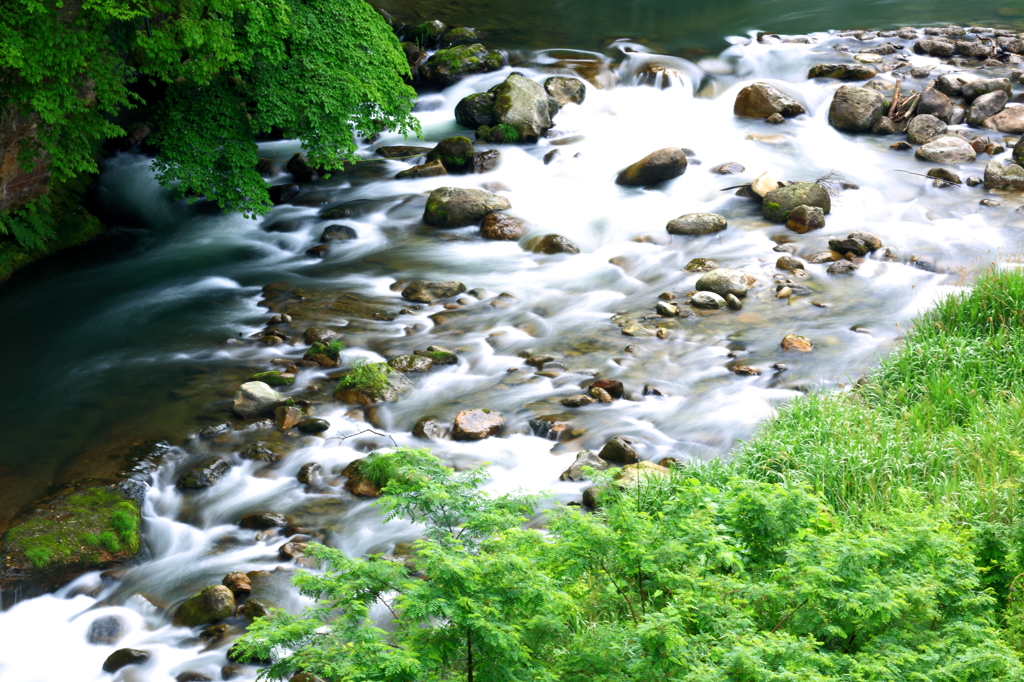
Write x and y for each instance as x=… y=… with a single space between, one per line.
x=935 y=103
x=566 y=90
x=998 y=176
x=656 y=167
x=925 y=128
x=951 y=150
x=449 y=66
x=855 y=109
x=974 y=89
x=985 y=106
x=761 y=100
x=523 y=104
x=723 y=282
x=779 y=202
x=1009 y=120
x=697 y=224
x=457 y=207
x=255 y=399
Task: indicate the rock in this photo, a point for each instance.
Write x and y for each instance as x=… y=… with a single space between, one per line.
x=656 y=167
x=123 y=657
x=803 y=219
x=944 y=174
x=308 y=473
x=259 y=453
x=764 y=183
x=925 y=128
x=235 y=670
x=263 y=521
x=338 y=233
x=400 y=152
x=255 y=608
x=849 y=245
x=430 y=429
x=793 y=342
x=590 y=497
x=666 y=309
x=300 y=169
x=730 y=168
x=1009 y=120
x=601 y=395
x=621 y=450
x=291 y=551
x=586 y=458
x=450 y=65
x=427 y=35
x=577 y=400
x=633 y=474
x=502 y=227
x=922 y=263
x=212 y=604
x=985 y=106
x=431 y=169
x=282 y=194
x=456 y=153
x=565 y=90
x=841 y=267
x=998 y=176
x=951 y=150
x=871 y=241
x=413 y=55
x=238 y=583
x=428 y=292
x=192 y=676
x=634 y=329
x=724 y=281
x=950 y=84
x=697 y=224
x=255 y=399
x=855 y=109
x=779 y=202
x=884 y=126
x=484 y=162
x=476 y=424
x=205 y=474
x=733 y=302
x=789 y=263
x=358 y=483
x=776 y=119
x=459 y=36
x=1018 y=152
x=475 y=110
x=613 y=386
x=411 y=363
x=707 y=300
x=392 y=385
x=935 y=48
x=313 y=425
x=761 y=100
x=934 y=103
x=824 y=257
x=971 y=90
x=456 y=207
x=106 y=630
x=522 y=104
x=844 y=72
x=552 y=244
x=700 y=265
x=439 y=354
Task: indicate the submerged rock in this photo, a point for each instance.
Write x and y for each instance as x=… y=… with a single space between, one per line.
x=457 y=207
x=552 y=244
x=761 y=100
x=656 y=167
x=427 y=291
x=107 y=630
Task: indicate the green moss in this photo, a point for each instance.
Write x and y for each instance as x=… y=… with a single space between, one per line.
x=331 y=349
x=772 y=206
x=510 y=131
x=440 y=357
x=368 y=377
x=273 y=378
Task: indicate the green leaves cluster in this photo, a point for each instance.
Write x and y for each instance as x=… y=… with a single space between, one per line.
x=673 y=579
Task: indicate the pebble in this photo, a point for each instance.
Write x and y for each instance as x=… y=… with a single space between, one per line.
x=989 y=202
x=707 y=300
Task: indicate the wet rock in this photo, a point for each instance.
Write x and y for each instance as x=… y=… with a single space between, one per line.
x=524 y=105
x=789 y=263
x=723 y=281
x=338 y=233
x=456 y=207
x=803 y=219
x=884 y=126
x=998 y=176
x=780 y=202
x=314 y=425
x=212 y=604
x=358 y=483
x=656 y=167
x=401 y=152
x=697 y=224
x=934 y=103
x=263 y=521
x=448 y=66
x=794 y=342
x=107 y=630
x=872 y=242
x=841 y=267
x=1018 y=152
x=700 y=265
x=428 y=291
x=431 y=169
x=308 y=473
x=282 y=194
x=439 y=354
x=285 y=417
x=430 y=429
x=552 y=244
x=565 y=90
x=290 y=551
x=235 y=670
x=590 y=497
x=776 y=119
x=950 y=150
x=124 y=657
x=944 y=174
x=476 y=424
x=729 y=168
x=764 y=183
x=427 y=35
x=634 y=329
x=855 y=109
x=455 y=153
x=459 y=36
x=300 y=169
x=901 y=146
x=935 y=48
x=255 y=608
x=707 y=300
x=259 y=453
x=633 y=474
x=475 y=110
x=824 y=257
x=849 y=245
x=620 y=450
x=733 y=302
x=951 y=84
x=586 y=458
x=971 y=90
x=761 y=100
x=238 y=583
x=986 y=106
x=600 y=395
x=502 y=227
x=992 y=203
x=666 y=309
x=925 y=128
x=614 y=387
x=205 y=474
x=580 y=400
x=192 y=676
x=411 y=363
x=844 y=72
x=255 y=399
x=485 y=162
x=922 y=263
x=539 y=360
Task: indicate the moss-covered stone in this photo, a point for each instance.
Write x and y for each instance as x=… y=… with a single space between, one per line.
x=213 y=603
x=779 y=202
x=449 y=66
x=274 y=378
x=475 y=111
x=455 y=153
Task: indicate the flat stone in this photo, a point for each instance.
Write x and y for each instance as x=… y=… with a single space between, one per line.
x=950 y=150
x=697 y=224
x=724 y=281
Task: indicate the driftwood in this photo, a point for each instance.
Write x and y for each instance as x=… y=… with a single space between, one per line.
x=902 y=108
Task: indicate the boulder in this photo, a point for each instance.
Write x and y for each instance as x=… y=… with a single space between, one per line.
x=951 y=84
x=951 y=150
x=724 y=281
x=290 y=551
x=708 y=300
x=631 y=475
x=212 y=604
x=985 y=106
x=255 y=608
x=1009 y=120
x=411 y=363
x=205 y=474
x=1018 y=151
x=401 y=152
x=263 y=521
x=106 y=630
x=429 y=428
x=522 y=104
x=779 y=202
x=565 y=90
x=238 y=583
x=476 y=110
x=586 y=458
x=843 y=72
x=935 y=103
x=552 y=244
x=794 y=342
x=424 y=291
x=971 y=90
x=431 y=169
x=761 y=100
x=789 y=263
x=476 y=424
x=697 y=224
x=308 y=473
x=656 y=167
x=123 y=657
x=764 y=183
x=300 y=169
x=357 y=483
x=462 y=35
x=998 y=176
x=338 y=233
x=614 y=387
x=457 y=207
x=450 y=65
x=487 y=161
x=255 y=399
x=855 y=109
x=282 y=194
x=455 y=153
x=392 y=385
x=925 y=128
x=427 y=35
x=314 y=425
x=502 y=227
x=620 y=450
x=841 y=267
x=934 y=47
x=803 y=219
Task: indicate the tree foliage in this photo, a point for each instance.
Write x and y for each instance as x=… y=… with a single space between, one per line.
x=670 y=579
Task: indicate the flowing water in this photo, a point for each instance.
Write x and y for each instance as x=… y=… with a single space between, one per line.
x=131 y=344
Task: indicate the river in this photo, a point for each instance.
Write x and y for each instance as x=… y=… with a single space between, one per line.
x=127 y=339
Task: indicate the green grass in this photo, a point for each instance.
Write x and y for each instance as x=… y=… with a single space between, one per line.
x=938 y=423
x=511 y=134
x=371 y=377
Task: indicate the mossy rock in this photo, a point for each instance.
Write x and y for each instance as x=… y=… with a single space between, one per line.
x=371 y=384
x=779 y=202
x=83 y=528
x=455 y=153
x=475 y=111
x=449 y=66
x=213 y=603
x=274 y=378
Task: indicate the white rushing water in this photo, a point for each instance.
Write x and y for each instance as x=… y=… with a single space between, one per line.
x=565 y=305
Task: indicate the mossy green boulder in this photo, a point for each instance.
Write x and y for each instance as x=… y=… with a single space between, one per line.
x=779 y=202
x=449 y=66
x=458 y=207
x=213 y=603
x=455 y=153
x=524 y=105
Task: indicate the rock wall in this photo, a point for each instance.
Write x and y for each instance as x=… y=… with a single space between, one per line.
x=18 y=187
